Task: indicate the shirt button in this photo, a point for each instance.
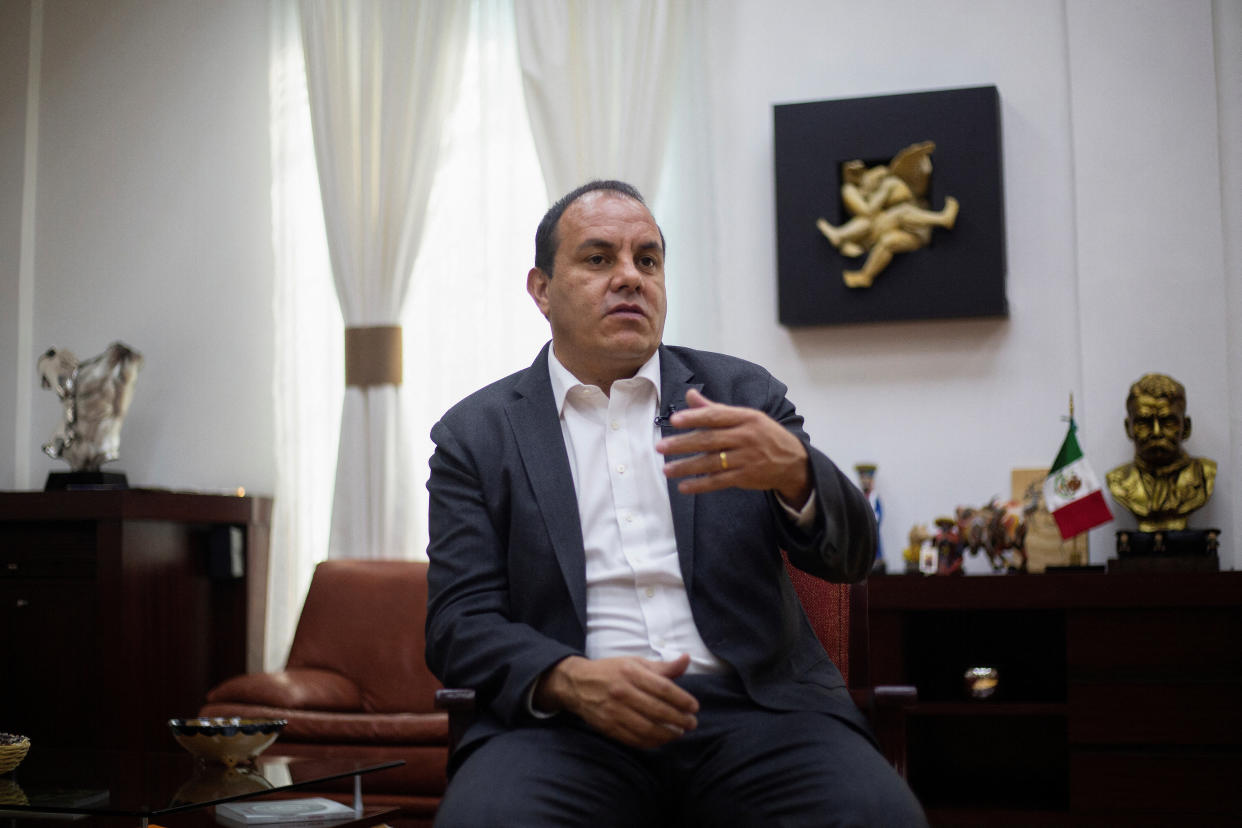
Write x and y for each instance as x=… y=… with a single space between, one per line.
x=649 y=592
x=621 y=469
x=615 y=425
x=629 y=517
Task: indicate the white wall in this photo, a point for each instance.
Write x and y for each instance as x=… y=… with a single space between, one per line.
x=1118 y=119
x=1227 y=19
x=1114 y=238
x=153 y=228
x=1151 y=271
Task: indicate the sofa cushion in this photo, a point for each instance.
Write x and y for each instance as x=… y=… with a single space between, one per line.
x=364 y=619
x=344 y=728
x=299 y=689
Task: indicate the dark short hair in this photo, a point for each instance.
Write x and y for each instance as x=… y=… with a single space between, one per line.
x=546 y=241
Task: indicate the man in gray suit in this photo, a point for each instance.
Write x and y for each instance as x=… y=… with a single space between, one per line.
x=606 y=534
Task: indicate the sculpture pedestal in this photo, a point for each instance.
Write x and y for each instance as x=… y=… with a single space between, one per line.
x=1174 y=550
x=71 y=481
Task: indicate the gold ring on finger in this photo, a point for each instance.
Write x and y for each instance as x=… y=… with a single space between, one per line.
x=724 y=461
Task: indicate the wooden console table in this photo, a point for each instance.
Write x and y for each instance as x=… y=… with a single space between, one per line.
x=121 y=609
x=1119 y=702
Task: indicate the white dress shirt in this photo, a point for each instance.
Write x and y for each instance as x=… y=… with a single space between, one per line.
x=636 y=599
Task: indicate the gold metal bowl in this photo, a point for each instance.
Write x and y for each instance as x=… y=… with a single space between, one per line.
x=227 y=741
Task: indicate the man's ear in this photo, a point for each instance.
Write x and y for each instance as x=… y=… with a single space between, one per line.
x=537 y=287
x=1185 y=427
x=1129 y=429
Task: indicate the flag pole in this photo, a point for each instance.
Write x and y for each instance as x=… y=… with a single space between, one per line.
x=1075 y=552
x=1074 y=495
x=1075 y=556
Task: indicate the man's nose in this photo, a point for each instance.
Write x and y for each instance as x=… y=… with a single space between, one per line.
x=1155 y=427
x=627 y=276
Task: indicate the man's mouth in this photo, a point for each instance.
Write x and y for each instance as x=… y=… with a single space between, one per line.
x=626 y=310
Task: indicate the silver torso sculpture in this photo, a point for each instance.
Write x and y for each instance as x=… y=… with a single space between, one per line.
x=96 y=395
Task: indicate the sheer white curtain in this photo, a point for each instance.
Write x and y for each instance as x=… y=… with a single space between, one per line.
x=600 y=79
x=467 y=318
x=382 y=77
x=309 y=364
x=686 y=203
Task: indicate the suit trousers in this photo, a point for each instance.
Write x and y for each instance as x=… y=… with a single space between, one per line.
x=742 y=766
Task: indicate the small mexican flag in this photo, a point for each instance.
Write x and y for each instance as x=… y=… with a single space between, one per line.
x=1072 y=491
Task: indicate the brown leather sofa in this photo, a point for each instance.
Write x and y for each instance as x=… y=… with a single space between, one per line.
x=356 y=683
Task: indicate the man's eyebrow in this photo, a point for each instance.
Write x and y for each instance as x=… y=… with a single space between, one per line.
x=605 y=244
x=587 y=244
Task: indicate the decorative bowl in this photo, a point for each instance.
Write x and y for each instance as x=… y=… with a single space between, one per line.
x=227 y=741
x=981 y=682
x=13 y=749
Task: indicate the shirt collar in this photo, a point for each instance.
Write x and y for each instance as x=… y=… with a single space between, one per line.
x=563 y=381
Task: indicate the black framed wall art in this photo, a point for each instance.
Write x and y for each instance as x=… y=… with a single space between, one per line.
x=890 y=208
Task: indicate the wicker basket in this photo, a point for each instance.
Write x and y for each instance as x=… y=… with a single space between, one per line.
x=12 y=755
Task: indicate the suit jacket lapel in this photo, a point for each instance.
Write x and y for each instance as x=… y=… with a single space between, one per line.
x=675 y=380
x=537 y=429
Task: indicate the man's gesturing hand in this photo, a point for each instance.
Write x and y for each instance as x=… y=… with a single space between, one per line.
x=759 y=452
x=632 y=700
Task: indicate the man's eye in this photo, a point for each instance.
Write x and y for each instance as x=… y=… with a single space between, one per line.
x=647 y=261
x=596 y=259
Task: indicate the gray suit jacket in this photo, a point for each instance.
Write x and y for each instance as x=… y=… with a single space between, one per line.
x=507 y=576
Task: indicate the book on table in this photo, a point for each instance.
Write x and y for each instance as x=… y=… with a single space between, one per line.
x=282 y=812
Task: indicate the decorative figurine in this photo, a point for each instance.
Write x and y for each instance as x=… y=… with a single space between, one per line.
x=890 y=211
x=866 y=482
x=96 y=396
x=918 y=539
x=948 y=545
x=999 y=530
x=1163 y=484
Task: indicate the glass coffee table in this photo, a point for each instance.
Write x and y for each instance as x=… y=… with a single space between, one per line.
x=121 y=788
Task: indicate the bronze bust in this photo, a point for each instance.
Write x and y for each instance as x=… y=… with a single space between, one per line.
x=1164 y=484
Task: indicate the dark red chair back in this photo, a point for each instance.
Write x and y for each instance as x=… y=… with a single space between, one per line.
x=838 y=614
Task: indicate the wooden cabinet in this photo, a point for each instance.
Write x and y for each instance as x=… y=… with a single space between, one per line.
x=1119 y=701
x=120 y=609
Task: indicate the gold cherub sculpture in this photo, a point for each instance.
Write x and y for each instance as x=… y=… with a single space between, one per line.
x=889 y=208
x=1163 y=484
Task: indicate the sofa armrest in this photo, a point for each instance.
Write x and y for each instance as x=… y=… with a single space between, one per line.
x=890 y=706
x=300 y=688
x=459 y=703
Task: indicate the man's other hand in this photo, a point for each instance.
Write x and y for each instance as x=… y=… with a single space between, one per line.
x=735 y=446
x=632 y=700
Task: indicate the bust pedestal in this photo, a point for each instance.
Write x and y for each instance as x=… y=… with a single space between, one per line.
x=1173 y=550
